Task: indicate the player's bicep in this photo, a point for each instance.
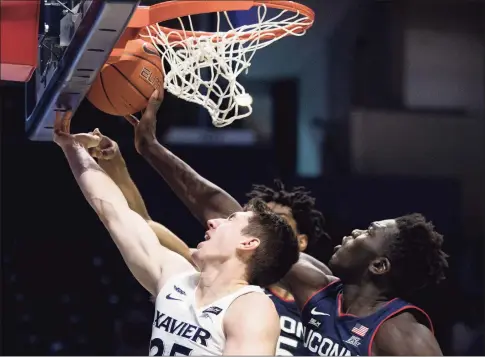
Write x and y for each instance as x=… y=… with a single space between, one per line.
x=304 y=280
x=252 y=327
x=316 y=263
x=405 y=336
x=150 y=263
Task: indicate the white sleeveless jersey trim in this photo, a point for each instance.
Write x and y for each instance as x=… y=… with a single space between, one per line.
x=180 y=328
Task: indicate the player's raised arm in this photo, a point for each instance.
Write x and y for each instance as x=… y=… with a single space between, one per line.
x=111 y=161
x=150 y=263
x=204 y=199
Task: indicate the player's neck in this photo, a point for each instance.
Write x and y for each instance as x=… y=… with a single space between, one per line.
x=218 y=281
x=362 y=300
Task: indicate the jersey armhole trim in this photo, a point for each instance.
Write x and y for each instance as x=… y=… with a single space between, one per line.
x=404 y=308
x=317 y=292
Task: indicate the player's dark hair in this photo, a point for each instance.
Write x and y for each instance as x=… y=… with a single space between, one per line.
x=309 y=221
x=415 y=255
x=278 y=249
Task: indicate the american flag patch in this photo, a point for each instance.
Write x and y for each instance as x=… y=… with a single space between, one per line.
x=360 y=330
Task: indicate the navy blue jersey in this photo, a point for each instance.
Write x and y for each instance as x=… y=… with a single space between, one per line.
x=290 y=342
x=329 y=332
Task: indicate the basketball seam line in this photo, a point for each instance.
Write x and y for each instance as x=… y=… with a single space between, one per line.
x=105 y=92
x=128 y=80
x=143 y=58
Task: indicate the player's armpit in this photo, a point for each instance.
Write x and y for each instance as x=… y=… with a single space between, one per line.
x=170 y=241
x=150 y=263
x=251 y=326
x=305 y=279
x=403 y=335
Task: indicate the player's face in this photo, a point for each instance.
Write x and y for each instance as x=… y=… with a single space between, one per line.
x=224 y=237
x=362 y=247
x=286 y=213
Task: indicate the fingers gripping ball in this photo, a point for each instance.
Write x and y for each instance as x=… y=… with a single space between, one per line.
x=124 y=87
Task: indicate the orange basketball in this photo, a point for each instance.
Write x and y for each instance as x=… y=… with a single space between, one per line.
x=124 y=87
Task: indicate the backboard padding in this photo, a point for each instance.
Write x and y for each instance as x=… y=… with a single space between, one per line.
x=101 y=25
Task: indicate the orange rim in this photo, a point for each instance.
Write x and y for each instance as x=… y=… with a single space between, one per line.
x=149 y=15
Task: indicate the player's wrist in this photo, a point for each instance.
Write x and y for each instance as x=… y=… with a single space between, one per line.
x=113 y=157
x=147 y=144
x=115 y=166
x=70 y=145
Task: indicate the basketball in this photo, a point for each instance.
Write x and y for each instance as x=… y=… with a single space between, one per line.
x=124 y=87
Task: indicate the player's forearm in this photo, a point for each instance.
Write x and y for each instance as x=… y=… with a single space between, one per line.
x=98 y=188
x=170 y=241
x=204 y=199
x=117 y=170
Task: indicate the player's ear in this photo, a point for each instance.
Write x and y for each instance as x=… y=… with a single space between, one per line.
x=249 y=243
x=302 y=242
x=380 y=266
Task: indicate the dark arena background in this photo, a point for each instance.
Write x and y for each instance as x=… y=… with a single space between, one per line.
x=379 y=110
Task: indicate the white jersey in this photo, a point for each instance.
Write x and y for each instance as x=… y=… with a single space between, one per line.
x=182 y=329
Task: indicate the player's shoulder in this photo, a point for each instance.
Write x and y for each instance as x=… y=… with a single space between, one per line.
x=257 y=300
x=254 y=304
x=404 y=334
x=251 y=307
x=404 y=321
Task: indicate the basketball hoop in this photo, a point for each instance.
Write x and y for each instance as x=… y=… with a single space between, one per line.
x=195 y=62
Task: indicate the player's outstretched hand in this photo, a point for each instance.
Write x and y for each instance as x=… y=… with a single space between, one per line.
x=107 y=148
x=87 y=140
x=145 y=129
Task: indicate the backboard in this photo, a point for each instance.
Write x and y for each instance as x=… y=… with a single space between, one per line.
x=75 y=40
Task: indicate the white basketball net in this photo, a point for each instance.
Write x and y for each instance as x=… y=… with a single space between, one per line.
x=205 y=70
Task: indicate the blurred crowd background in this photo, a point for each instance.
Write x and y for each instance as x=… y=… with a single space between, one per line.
x=379 y=111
